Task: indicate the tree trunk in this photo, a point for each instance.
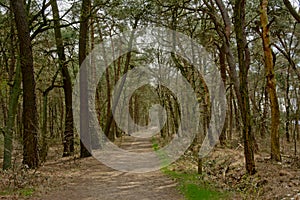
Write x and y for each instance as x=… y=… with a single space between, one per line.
x=12 y=109
x=85 y=149
x=30 y=120
x=241 y=84
x=13 y=105
x=244 y=64
x=223 y=75
x=126 y=68
x=287 y=106
x=109 y=133
x=68 y=140
x=136 y=114
x=265 y=113
x=230 y=113
x=271 y=82
x=44 y=149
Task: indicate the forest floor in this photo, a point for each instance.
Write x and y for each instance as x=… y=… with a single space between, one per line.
x=88 y=179
x=223 y=172
x=224 y=168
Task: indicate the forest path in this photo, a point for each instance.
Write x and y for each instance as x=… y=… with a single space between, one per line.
x=97 y=181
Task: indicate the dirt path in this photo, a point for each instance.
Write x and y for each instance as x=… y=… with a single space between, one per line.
x=97 y=181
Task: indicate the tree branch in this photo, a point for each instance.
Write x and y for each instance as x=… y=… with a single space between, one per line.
x=41 y=12
x=5 y=6
x=288 y=57
x=292 y=10
x=42 y=28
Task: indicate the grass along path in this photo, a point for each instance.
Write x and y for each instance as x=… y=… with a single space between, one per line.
x=190 y=184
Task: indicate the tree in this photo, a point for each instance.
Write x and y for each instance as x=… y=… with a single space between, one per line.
x=30 y=120
x=12 y=107
x=240 y=84
x=222 y=58
x=84 y=107
x=271 y=82
x=68 y=140
x=244 y=64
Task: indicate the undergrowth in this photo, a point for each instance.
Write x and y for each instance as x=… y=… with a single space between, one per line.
x=19 y=181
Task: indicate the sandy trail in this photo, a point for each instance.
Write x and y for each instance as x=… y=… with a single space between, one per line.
x=98 y=181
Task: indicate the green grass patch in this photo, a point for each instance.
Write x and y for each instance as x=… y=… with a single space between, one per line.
x=155 y=146
x=191 y=184
x=195 y=192
x=193 y=187
x=24 y=192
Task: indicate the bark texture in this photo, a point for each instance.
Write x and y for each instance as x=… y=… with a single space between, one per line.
x=271 y=82
x=30 y=120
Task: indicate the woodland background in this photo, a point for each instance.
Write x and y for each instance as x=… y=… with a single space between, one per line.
x=255 y=45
